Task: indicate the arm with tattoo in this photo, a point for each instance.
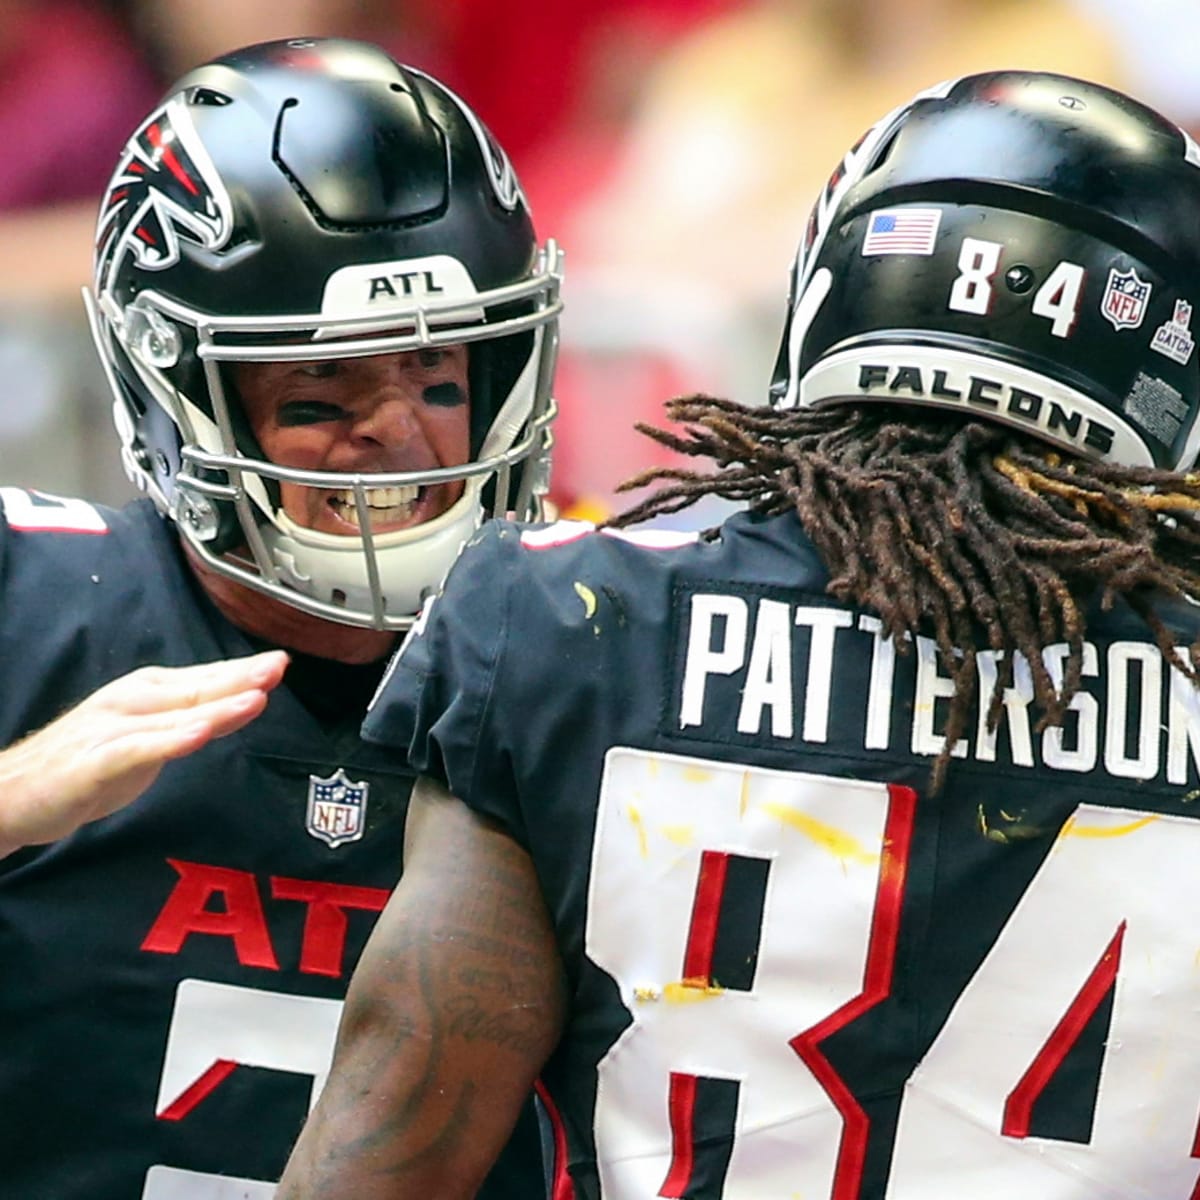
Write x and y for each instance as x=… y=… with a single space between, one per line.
x=455 y=1005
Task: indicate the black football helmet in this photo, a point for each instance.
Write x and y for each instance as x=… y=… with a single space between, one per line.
x=311 y=199
x=1016 y=245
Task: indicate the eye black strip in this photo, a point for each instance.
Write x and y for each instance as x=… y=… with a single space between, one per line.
x=444 y=395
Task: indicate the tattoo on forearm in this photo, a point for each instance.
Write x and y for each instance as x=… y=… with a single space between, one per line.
x=460 y=978
x=468 y=1019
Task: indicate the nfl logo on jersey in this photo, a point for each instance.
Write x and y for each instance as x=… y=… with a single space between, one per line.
x=337 y=808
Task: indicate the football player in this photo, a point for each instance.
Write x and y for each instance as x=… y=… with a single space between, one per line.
x=848 y=851
x=330 y=332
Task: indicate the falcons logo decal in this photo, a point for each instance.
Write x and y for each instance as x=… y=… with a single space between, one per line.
x=164 y=186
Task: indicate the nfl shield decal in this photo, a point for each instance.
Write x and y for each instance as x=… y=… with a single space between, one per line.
x=337 y=808
x=1125 y=299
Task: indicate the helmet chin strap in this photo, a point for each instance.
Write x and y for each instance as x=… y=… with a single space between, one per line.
x=283 y=622
x=336 y=571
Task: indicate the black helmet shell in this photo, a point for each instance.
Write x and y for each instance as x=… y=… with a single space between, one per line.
x=1015 y=244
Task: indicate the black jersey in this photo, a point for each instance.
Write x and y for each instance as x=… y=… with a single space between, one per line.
x=173 y=974
x=797 y=970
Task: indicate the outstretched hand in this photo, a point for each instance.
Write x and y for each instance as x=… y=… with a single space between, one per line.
x=104 y=752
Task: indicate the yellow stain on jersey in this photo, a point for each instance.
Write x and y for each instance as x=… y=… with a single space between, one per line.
x=588 y=597
x=840 y=845
x=681 y=835
x=1014 y=829
x=639 y=824
x=691 y=991
x=1074 y=829
x=696 y=774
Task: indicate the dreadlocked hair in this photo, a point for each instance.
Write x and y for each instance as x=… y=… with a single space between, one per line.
x=943 y=524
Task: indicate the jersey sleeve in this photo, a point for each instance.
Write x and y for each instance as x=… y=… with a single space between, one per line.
x=435 y=700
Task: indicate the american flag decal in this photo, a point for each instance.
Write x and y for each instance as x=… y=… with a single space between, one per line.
x=902 y=231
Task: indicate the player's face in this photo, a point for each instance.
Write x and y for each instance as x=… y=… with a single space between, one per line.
x=390 y=412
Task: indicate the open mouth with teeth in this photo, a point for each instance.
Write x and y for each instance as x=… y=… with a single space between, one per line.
x=389 y=508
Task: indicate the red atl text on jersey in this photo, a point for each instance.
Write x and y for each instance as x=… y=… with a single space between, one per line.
x=243 y=919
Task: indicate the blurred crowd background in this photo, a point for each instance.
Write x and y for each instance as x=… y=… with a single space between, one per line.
x=673 y=147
